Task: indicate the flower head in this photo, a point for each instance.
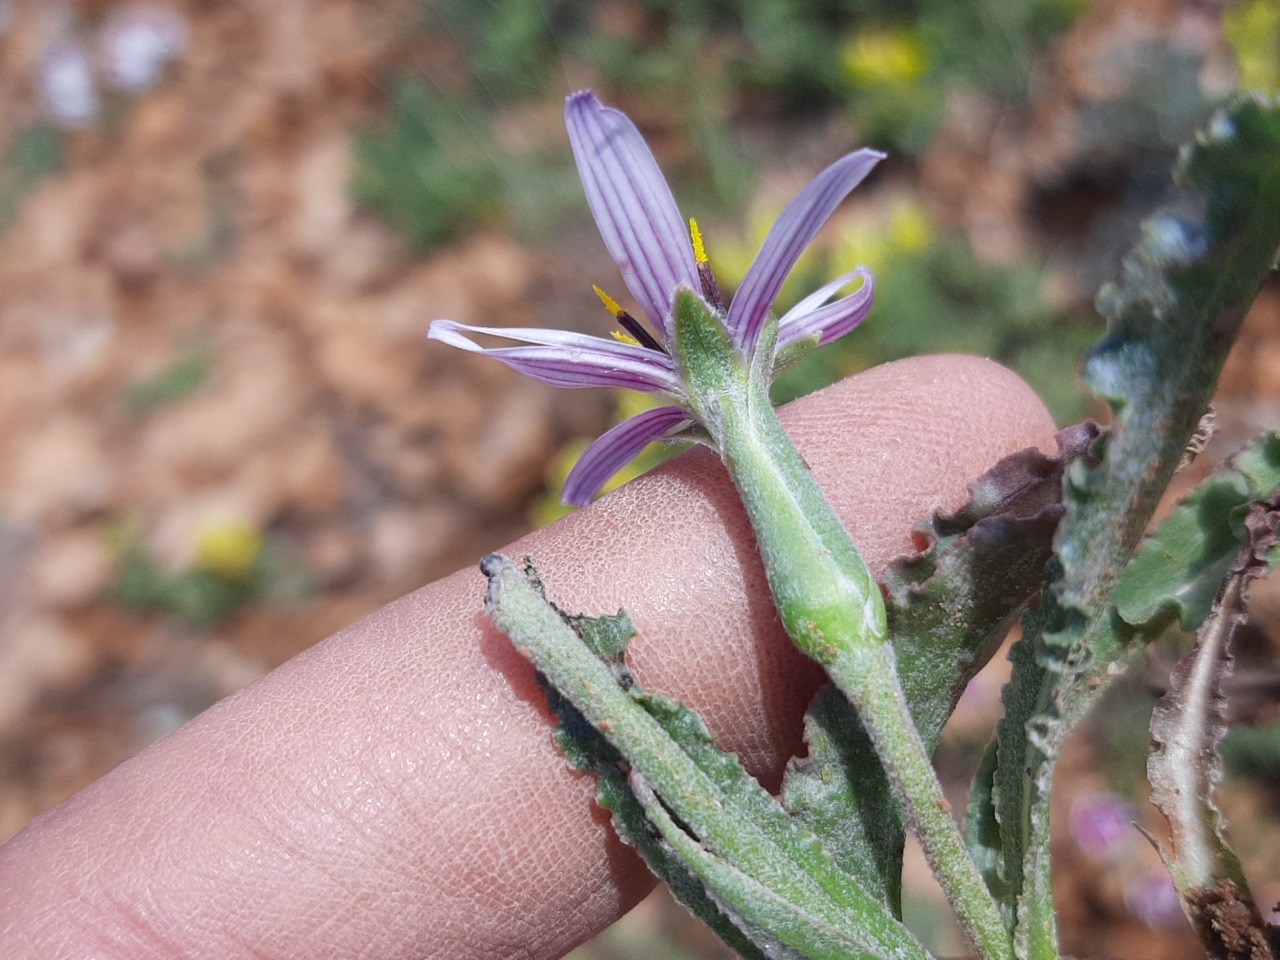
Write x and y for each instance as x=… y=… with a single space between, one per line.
x=645 y=234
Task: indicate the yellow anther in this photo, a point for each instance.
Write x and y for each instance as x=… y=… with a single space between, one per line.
x=610 y=304
x=699 y=251
x=625 y=337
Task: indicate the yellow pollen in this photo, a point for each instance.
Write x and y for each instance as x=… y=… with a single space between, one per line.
x=625 y=338
x=699 y=251
x=610 y=304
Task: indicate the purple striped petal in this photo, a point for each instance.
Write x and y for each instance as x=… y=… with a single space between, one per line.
x=794 y=231
x=809 y=318
x=632 y=204
x=565 y=359
x=618 y=447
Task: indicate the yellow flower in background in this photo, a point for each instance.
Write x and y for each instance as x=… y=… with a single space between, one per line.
x=229 y=549
x=884 y=58
x=906 y=229
x=1253 y=29
x=549 y=508
x=731 y=257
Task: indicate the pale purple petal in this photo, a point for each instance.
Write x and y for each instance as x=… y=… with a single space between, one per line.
x=618 y=447
x=632 y=204
x=565 y=359
x=138 y=41
x=65 y=81
x=809 y=318
x=793 y=232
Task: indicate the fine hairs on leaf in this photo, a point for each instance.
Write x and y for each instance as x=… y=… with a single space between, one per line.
x=1172 y=319
x=778 y=876
x=817 y=874
x=1184 y=767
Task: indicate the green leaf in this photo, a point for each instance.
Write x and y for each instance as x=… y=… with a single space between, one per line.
x=839 y=791
x=982 y=831
x=589 y=752
x=1181 y=567
x=1172 y=319
x=782 y=928
x=725 y=813
x=952 y=604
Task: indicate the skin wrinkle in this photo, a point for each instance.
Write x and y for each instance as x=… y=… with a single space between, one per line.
x=200 y=832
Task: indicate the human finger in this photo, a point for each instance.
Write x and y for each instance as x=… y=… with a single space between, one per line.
x=394 y=791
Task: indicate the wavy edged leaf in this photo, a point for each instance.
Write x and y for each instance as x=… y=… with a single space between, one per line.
x=952 y=604
x=1172 y=319
x=1184 y=767
x=705 y=793
x=839 y=791
x=949 y=606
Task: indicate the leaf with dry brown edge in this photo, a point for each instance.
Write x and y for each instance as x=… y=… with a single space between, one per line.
x=1184 y=767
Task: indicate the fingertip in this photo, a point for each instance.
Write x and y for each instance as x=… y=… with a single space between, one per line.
x=904 y=438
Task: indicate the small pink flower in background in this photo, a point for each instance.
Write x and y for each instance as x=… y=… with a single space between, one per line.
x=138 y=41
x=64 y=79
x=1101 y=823
x=1153 y=900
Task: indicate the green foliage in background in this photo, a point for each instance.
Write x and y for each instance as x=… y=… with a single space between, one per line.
x=943 y=300
x=181 y=379
x=235 y=566
x=889 y=62
x=34 y=153
x=436 y=169
x=1253 y=752
x=432 y=173
x=933 y=295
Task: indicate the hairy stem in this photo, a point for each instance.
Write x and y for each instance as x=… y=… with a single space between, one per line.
x=833 y=609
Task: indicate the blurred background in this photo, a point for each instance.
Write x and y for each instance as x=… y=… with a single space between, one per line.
x=225 y=227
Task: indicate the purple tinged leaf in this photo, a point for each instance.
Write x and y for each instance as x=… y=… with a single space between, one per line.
x=973 y=570
x=814 y=317
x=565 y=359
x=618 y=447
x=793 y=232
x=632 y=204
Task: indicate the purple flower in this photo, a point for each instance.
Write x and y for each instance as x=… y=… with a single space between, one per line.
x=138 y=41
x=65 y=79
x=1102 y=823
x=647 y=238
x=1153 y=899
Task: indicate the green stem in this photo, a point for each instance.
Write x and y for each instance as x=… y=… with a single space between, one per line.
x=833 y=609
